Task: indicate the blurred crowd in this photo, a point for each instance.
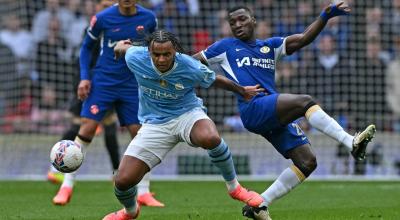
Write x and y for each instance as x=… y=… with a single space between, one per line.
x=351 y=68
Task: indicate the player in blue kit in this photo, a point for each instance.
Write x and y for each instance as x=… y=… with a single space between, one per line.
x=170 y=113
x=110 y=84
x=250 y=61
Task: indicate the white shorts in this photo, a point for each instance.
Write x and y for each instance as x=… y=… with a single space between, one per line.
x=154 y=141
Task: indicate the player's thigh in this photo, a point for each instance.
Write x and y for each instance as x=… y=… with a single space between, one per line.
x=152 y=144
x=194 y=133
x=259 y=115
x=99 y=101
x=204 y=133
x=286 y=138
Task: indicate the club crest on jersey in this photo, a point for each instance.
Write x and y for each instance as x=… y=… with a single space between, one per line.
x=163 y=83
x=179 y=86
x=264 y=49
x=93 y=21
x=94 y=109
x=140 y=29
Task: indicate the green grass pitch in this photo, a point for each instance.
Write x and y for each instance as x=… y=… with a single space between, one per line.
x=205 y=200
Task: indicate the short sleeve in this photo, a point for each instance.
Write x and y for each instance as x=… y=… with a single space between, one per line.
x=278 y=44
x=208 y=76
x=131 y=56
x=213 y=53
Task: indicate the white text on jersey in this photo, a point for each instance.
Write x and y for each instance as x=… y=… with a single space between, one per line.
x=263 y=63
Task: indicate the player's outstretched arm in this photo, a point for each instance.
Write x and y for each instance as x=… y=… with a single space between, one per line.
x=298 y=41
x=247 y=92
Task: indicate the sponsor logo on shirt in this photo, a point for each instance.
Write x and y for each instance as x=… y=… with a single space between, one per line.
x=157 y=94
x=252 y=61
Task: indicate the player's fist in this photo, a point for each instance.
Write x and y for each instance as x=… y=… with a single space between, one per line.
x=83 y=89
x=121 y=48
x=251 y=91
x=334 y=10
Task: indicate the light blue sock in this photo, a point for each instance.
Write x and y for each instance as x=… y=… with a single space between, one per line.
x=127 y=198
x=221 y=157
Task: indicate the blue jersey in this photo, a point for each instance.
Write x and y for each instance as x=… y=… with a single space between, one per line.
x=248 y=64
x=165 y=96
x=110 y=26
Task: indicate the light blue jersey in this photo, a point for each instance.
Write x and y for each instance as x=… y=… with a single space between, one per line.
x=165 y=96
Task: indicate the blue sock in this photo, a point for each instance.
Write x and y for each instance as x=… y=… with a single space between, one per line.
x=127 y=198
x=222 y=158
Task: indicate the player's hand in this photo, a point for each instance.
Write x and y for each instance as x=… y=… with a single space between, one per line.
x=334 y=10
x=251 y=91
x=121 y=47
x=84 y=89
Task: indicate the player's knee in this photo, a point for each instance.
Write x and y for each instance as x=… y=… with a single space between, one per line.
x=307 y=166
x=304 y=100
x=88 y=127
x=210 y=141
x=125 y=182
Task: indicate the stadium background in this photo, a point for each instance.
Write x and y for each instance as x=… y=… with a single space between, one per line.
x=351 y=69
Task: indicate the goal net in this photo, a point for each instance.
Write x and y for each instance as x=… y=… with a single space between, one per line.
x=351 y=70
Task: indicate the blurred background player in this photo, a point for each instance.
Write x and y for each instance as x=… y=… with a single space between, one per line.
x=250 y=61
x=171 y=112
x=110 y=83
x=109 y=121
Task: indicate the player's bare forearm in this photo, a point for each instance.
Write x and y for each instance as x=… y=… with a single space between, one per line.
x=247 y=92
x=200 y=57
x=298 y=41
x=224 y=83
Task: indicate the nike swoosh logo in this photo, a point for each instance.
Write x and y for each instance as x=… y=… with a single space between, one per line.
x=111 y=44
x=303 y=138
x=239 y=49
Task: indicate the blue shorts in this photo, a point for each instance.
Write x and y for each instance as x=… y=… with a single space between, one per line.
x=102 y=98
x=259 y=116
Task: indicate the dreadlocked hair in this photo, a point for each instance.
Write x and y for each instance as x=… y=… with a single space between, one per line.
x=162 y=36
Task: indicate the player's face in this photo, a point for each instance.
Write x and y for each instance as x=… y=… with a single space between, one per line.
x=104 y=4
x=163 y=55
x=242 y=24
x=127 y=3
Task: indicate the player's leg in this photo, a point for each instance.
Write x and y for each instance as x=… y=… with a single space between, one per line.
x=54 y=175
x=127 y=115
x=110 y=139
x=93 y=110
x=204 y=133
x=304 y=163
x=291 y=107
x=130 y=173
x=143 y=153
x=85 y=136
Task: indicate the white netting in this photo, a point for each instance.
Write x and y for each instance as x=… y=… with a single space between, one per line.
x=351 y=69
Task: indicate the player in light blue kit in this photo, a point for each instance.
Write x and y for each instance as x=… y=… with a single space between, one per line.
x=250 y=61
x=110 y=83
x=170 y=113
